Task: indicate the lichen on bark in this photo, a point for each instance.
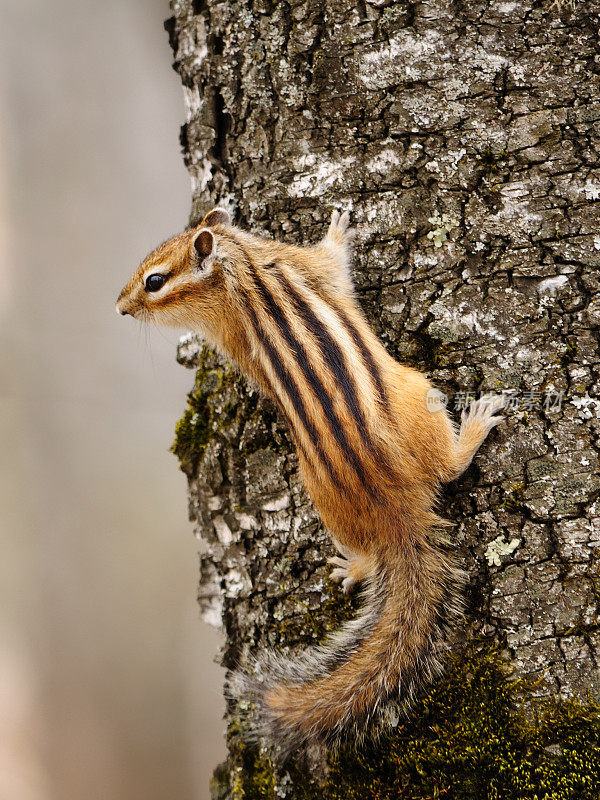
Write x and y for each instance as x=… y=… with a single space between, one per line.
x=464 y=139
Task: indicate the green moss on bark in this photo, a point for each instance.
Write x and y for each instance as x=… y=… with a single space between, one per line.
x=200 y=420
x=336 y=609
x=468 y=738
x=220 y=407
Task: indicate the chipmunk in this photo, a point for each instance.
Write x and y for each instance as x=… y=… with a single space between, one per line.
x=372 y=451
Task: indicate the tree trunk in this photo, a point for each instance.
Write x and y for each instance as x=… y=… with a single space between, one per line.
x=464 y=139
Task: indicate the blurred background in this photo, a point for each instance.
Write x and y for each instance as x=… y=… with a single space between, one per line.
x=107 y=683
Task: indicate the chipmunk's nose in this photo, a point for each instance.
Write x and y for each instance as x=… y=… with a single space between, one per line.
x=121 y=306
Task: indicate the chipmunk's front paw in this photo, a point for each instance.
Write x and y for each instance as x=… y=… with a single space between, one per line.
x=339 y=231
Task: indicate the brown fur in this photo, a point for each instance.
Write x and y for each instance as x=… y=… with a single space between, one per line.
x=372 y=453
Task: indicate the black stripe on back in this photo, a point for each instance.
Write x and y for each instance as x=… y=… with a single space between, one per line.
x=334 y=358
x=367 y=358
x=291 y=388
x=301 y=356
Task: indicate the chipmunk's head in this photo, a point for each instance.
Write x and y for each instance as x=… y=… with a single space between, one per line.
x=181 y=283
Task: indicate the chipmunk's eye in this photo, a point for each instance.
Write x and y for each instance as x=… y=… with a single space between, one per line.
x=155 y=282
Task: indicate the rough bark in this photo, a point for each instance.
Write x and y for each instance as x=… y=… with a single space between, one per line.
x=464 y=137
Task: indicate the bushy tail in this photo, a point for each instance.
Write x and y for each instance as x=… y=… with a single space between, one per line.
x=390 y=649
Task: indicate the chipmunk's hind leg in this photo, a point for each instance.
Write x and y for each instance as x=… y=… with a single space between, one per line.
x=350 y=567
x=476 y=422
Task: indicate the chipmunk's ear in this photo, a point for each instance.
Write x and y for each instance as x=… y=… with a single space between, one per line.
x=203 y=248
x=218 y=216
